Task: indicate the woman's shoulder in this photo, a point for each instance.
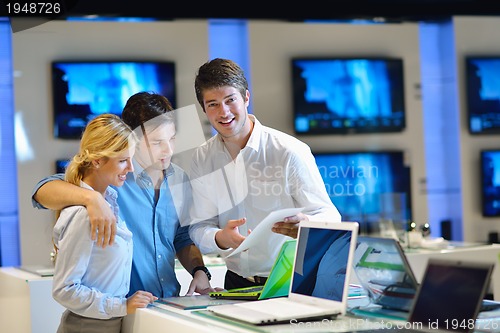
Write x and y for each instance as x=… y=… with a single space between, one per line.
x=73 y=211
x=77 y=216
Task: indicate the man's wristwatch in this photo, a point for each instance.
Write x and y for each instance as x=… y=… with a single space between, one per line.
x=204 y=269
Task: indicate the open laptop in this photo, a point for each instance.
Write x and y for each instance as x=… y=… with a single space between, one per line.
x=277 y=284
x=382 y=269
x=319 y=282
x=449 y=297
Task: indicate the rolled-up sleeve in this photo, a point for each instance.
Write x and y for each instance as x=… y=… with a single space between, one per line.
x=36 y=204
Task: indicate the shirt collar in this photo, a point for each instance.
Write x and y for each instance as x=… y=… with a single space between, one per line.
x=140 y=172
x=111 y=195
x=254 y=140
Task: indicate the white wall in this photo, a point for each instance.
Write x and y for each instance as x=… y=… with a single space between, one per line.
x=183 y=41
x=474 y=36
x=273 y=44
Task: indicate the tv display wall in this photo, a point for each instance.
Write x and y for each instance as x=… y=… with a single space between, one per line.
x=368 y=187
x=490 y=182
x=482 y=79
x=84 y=89
x=348 y=95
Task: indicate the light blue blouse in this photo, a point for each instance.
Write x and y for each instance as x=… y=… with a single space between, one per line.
x=89 y=280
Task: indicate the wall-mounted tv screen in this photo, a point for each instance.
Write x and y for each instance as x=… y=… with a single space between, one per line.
x=348 y=95
x=82 y=90
x=61 y=165
x=490 y=182
x=482 y=81
x=368 y=187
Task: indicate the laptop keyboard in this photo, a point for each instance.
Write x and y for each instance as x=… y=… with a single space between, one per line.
x=272 y=311
x=246 y=290
x=281 y=308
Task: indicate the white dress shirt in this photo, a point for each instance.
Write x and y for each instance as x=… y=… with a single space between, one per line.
x=273 y=171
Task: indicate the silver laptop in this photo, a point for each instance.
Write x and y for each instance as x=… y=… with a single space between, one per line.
x=383 y=271
x=319 y=282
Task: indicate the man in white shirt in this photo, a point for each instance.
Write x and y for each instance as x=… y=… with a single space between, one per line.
x=245 y=172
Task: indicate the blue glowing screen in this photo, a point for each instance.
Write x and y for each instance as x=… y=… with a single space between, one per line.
x=490 y=182
x=342 y=96
x=83 y=90
x=483 y=94
x=367 y=186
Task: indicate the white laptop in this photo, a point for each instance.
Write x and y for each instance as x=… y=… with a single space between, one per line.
x=382 y=269
x=319 y=282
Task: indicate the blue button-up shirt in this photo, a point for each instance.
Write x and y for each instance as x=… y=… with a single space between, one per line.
x=157 y=230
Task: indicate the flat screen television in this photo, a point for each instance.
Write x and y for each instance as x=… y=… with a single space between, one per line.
x=82 y=90
x=61 y=165
x=368 y=187
x=348 y=95
x=482 y=81
x=490 y=182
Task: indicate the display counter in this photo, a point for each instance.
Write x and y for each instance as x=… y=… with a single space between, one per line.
x=171 y=319
x=26 y=303
x=27 y=306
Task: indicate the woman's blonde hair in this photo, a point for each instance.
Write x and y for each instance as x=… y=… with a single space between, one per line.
x=106 y=136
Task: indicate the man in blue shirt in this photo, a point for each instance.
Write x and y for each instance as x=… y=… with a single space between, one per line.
x=154 y=200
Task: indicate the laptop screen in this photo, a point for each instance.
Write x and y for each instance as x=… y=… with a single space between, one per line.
x=450 y=294
x=382 y=269
x=278 y=282
x=321 y=263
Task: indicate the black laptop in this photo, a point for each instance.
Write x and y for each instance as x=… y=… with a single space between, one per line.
x=449 y=297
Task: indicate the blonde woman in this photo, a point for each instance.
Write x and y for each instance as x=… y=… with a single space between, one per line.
x=90 y=281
